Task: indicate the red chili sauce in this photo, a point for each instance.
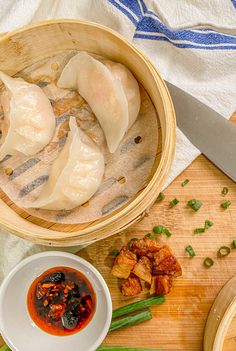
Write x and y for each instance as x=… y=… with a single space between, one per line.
x=61 y=301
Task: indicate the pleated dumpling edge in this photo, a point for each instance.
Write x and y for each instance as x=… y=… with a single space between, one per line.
x=75 y=175
x=110 y=89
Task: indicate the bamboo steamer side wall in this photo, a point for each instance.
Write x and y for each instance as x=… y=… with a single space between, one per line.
x=26 y=46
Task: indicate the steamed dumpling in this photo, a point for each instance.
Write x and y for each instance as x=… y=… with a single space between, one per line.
x=102 y=91
x=29 y=121
x=75 y=175
x=109 y=88
x=130 y=86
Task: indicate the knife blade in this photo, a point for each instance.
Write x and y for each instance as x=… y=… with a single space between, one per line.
x=209 y=131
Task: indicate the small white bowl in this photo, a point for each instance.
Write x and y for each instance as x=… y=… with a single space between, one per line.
x=18 y=329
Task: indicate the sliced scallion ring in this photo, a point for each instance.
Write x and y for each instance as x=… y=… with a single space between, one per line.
x=190 y=251
x=158 y=229
x=223 y=251
x=234 y=244
x=208 y=262
x=225 y=204
x=150 y=235
x=199 y=230
x=194 y=204
x=185 y=182
x=224 y=191
x=160 y=197
x=208 y=224
x=174 y=202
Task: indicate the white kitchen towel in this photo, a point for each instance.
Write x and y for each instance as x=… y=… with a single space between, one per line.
x=192 y=43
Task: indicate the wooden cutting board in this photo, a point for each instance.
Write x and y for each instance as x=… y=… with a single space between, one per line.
x=179 y=323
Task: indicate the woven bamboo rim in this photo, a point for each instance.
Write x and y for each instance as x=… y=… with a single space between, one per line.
x=32 y=43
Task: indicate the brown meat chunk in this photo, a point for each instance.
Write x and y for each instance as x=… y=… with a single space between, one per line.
x=145 y=246
x=163 y=284
x=169 y=265
x=124 y=263
x=159 y=256
x=131 y=286
x=152 y=289
x=143 y=269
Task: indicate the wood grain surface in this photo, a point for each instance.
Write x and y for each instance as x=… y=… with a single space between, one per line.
x=179 y=323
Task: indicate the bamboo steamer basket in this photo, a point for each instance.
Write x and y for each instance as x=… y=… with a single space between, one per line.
x=26 y=46
x=220 y=330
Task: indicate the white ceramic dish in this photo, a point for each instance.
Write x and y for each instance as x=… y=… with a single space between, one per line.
x=16 y=326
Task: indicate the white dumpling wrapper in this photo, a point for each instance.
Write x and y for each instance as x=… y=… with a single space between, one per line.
x=104 y=93
x=75 y=175
x=130 y=87
x=29 y=122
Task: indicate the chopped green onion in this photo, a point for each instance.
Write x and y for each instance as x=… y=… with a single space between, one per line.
x=225 y=204
x=134 y=306
x=224 y=191
x=208 y=224
x=150 y=235
x=194 y=204
x=190 y=251
x=208 y=262
x=133 y=319
x=167 y=232
x=174 y=202
x=185 y=182
x=223 y=251
x=199 y=230
x=234 y=244
x=160 y=197
x=113 y=253
x=158 y=229
x=123 y=348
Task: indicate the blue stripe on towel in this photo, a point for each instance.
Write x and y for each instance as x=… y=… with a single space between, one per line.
x=149 y=26
x=138 y=7
x=125 y=12
x=154 y=25
x=184 y=45
x=144 y=7
x=135 y=6
x=234 y=3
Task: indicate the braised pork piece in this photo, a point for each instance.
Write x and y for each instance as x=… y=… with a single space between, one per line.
x=146 y=260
